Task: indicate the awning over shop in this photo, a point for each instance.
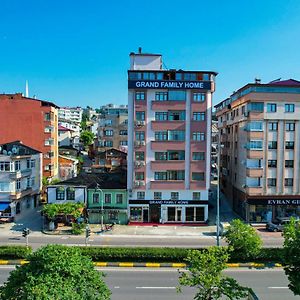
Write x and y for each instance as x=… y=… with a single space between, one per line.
x=4 y=205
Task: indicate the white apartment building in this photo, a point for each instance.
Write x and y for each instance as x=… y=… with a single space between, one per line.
x=169 y=141
x=20 y=179
x=70 y=114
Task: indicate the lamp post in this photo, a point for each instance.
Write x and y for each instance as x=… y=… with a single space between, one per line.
x=97 y=188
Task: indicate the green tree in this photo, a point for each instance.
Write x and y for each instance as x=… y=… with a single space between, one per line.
x=243 y=239
x=87 y=137
x=291 y=246
x=205 y=274
x=55 y=272
x=53 y=209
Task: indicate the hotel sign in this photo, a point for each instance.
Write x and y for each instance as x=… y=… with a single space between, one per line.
x=169 y=84
x=169 y=202
x=274 y=202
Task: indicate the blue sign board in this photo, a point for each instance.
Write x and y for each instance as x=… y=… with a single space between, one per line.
x=169 y=84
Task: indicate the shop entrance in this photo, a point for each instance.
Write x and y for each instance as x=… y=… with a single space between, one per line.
x=154 y=213
x=145 y=215
x=174 y=214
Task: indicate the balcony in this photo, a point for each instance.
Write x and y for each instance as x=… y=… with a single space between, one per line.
x=163 y=165
x=254 y=190
x=15 y=175
x=254 y=171
x=167 y=145
x=20 y=194
x=165 y=105
x=167 y=184
x=26 y=172
x=167 y=125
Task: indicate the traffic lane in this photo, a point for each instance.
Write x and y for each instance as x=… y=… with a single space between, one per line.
x=4 y=273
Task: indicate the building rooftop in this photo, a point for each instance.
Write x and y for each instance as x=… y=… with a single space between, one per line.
x=62 y=128
x=16 y=148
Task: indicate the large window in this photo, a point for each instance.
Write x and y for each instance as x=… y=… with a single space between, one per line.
x=198 y=136
x=290 y=126
x=5 y=166
x=161 y=116
x=289 y=145
x=176 y=135
x=289 y=164
x=176 y=115
x=161 y=96
x=272 y=163
x=289 y=107
x=199 y=116
x=272 y=145
x=256 y=106
x=161 y=135
x=255 y=145
x=177 y=95
x=140 y=135
x=288 y=182
x=5 y=187
x=271 y=107
x=255 y=126
x=273 y=126
x=160 y=155
x=176 y=175
x=139 y=156
x=140 y=115
x=60 y=193
x=198 y=156
x=271 y=182
x=70 y=193
x=198 y=176
x=140 y=96
x=160 y=175
x=198 y=97
x=176 y=155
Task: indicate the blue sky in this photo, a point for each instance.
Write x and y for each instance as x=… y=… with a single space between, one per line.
x=77 y=52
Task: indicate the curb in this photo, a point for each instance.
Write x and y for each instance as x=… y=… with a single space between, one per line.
x=155 y=265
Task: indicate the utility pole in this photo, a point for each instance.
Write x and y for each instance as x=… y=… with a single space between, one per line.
x=25 y=234
x=87 y=234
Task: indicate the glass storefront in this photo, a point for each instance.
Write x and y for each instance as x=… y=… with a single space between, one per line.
x=194 y=214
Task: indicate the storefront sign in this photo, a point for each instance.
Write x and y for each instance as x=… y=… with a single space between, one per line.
x=274 y=202
x=169 y=202
x=161 y=84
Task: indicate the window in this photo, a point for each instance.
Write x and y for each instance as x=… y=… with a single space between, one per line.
x=271 y=181
x=176 y=135
x=107 y=198
x=198 y=176
x=139 y=156
x=5 y=166
x=289 y=164
x=160 y=155
x=288 y=182
x=256 y=106
x=49 y=129
x=70 y=193
x=4 y=186
x=95 y=198
x=255 y=126
x=198 y=136
x=176 y=175
x=139 y=96
x=160 y=175
x=176 y=155
x=108 y=132
x=47 y=117
x=198 y=156
x=157 y=195
x=123 y=143
x=141 y=195
x=161 y=96
x=198 y=97
x=32 y=179
x=290 y=126
x=123 y=132
x=139 y=176
x=177 y=95
x=161 y=116
x=289 y=145
x=28 y=182
x=17 y=165
x=199 y=116
x=108 y=143
x=271 y=107
x=174 y=195
x=176 y=115
x=196 y=195
x=161 y=135
x=272 y=163
x=32 y=163
x=273 y=126
x=49 y=142
x=255 y=145
x=289 y=107
x=140 y=115
x=140 y=135
x=272 y=145
x=60 y=193
x=119 y=198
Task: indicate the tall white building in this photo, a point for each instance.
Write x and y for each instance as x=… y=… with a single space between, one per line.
x=20 y=179
x=169 y=141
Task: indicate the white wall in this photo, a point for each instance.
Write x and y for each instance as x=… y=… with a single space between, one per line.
x=80 y=194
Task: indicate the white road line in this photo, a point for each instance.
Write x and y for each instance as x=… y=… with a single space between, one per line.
x=116 y=287
x=277 y=287
x=156 y=287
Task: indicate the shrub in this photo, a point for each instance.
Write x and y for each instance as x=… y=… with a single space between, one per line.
x=78 y=228
x=14 y=252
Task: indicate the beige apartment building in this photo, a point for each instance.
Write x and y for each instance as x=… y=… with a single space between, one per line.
x=259 y=128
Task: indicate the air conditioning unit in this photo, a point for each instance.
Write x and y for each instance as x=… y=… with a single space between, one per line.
x=142 y=123
x=142 y=183
x=142 y=163
x=137 y=163
x=142 y=143
x=137 y=123
x=244 y=186
x=136 y=183
x=137 y=143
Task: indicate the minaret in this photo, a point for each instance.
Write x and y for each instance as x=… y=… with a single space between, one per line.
x=26 y=90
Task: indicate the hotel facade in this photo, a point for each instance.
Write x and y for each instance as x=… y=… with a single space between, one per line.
x=169 y=142
x=259 y=127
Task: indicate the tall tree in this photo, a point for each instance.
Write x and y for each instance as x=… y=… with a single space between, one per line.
x=55 y=272
x=291 y=246
x=87 y=137
x=205 y=274
x=243 y=239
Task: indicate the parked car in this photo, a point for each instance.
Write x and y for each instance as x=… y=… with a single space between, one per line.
x=277 y=225
x=224 y=227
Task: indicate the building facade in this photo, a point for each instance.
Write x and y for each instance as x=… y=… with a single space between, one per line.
x=20 y=179
x=70 y=114
x=169 y=141
x=34 y=122
x=259 y=127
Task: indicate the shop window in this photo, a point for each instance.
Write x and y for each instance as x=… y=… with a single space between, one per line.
x=112 y=216
x=194 y=214
x=136 y=214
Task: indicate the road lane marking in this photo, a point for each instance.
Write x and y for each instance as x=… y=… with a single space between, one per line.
x=156 y=287
x=116 y=287
x=278 y=287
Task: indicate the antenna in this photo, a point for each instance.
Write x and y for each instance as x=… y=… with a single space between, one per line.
x=26 y=89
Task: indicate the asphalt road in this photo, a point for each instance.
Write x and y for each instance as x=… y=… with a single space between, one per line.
x=149 y=284
x=37 y=241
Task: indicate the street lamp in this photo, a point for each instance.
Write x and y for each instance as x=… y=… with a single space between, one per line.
x=97 y=188
x=218 y=189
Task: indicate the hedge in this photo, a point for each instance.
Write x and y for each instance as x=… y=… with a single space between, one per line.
x=14 y=252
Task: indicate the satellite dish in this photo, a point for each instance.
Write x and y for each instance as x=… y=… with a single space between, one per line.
x=9 y=152
x=4 y=152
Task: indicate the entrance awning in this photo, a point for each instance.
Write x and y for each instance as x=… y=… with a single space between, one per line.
x=4 y=205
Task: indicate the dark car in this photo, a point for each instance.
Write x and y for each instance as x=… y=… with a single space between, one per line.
x=277 y=225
